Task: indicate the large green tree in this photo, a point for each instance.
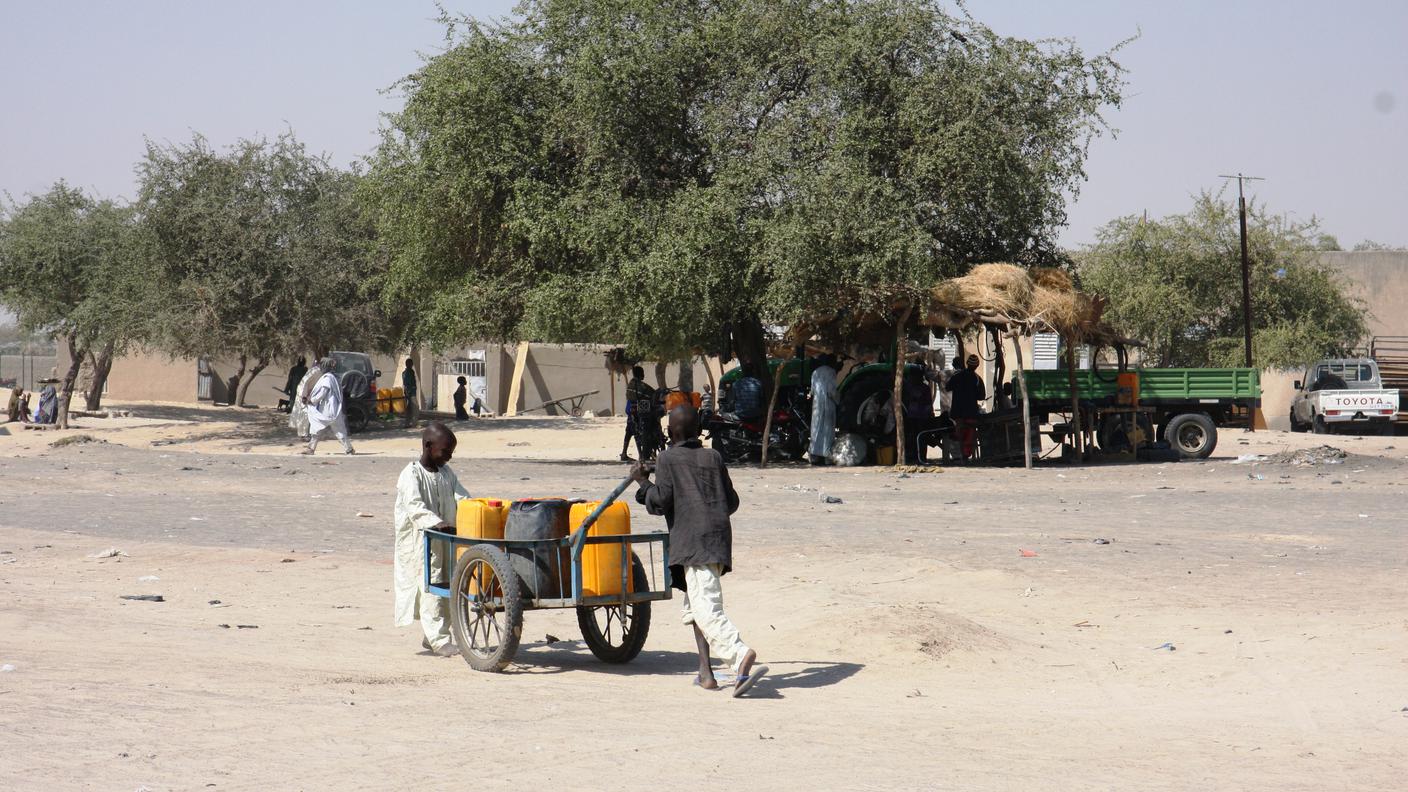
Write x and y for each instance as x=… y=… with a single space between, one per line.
x=1176 y=284
x=71 y=267
x=261 y=252
x=646 y=171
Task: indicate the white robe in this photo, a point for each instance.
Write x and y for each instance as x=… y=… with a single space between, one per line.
x=423 y=501
x=324 y=403
x=298 y=413
x=824 y=402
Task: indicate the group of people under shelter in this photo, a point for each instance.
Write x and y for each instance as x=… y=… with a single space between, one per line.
x=960 y=392
x=691 y=490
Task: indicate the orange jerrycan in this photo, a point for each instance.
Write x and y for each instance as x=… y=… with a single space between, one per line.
x=602 y=563
x=479 y=518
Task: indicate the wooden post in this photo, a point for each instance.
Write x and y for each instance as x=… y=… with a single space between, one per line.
x=1079 y=440
x=1026 y=403
x=611 y=374
x=899 y=360
x=772 y=407
x=520 y=363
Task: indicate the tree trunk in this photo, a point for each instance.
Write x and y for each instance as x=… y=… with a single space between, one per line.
x=767 y=422
x=259 y=365
x=750 y=342
x=232 y=385
x=899 y=361
x=102 y=366
x=75 y=362
x=1021 y=393
x=686 y=379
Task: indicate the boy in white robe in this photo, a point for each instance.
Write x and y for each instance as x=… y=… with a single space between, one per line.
x=427 y=497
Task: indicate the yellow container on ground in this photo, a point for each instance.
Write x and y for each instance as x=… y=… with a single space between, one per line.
x=398 y=400
x=383 y=400
x=602 y=563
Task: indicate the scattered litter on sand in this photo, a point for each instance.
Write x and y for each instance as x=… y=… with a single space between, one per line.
x=7 y=668
x=148 y=579
x=365 y=514
x=1167 y=646
x=1026 y=553
x=111 y=552
x=824 y=498
x=1245 y=458
x=1319 y=455
x=78 y=439
x=143 y=597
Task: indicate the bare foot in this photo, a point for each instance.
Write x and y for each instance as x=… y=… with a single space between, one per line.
x=706 y=680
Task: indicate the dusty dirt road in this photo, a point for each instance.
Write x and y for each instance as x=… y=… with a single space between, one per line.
x=912 y=645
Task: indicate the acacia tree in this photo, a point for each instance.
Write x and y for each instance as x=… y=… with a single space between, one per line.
x=1176 y=284
x=646 y=172
x=70 y=267
x=261 y=252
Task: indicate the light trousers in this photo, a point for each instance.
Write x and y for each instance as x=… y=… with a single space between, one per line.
x=338 y=429
x=704 y=608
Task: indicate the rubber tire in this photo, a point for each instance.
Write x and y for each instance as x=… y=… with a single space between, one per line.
x=640 y=624
x=1200 y=421
x=856 y=395
x=1296 y=426
x=512 y=591
x=1319 y=426
x=357 y=418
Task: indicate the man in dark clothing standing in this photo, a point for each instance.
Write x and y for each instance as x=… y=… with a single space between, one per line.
x=967 y=390
x=408 y=386
x=460 y=398
x=693 y=492
x=640 y=407
x=295 y=376
x=748 y=394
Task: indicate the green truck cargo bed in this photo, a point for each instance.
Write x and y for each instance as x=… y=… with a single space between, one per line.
x=1156 y=385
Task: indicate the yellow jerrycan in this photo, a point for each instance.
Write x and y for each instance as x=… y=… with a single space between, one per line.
x=479 y=518
x=601 y=563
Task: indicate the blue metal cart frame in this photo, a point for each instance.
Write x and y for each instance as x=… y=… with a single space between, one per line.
x=488 y=628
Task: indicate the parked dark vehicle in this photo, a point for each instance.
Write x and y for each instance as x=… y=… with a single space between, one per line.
x=358 y=379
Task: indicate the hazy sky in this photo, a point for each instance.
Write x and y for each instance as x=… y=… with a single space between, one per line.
x=1311 y=95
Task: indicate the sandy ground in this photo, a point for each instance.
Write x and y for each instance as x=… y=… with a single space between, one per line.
x=912 y=645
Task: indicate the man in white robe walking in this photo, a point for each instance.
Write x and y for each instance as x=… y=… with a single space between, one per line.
x=824 y=403
x=427 y=497
x=325 y=409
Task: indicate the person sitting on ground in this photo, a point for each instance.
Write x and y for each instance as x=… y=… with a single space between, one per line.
x=427 y=498
x=461 y=396
x=1005 y=403
x=968 y=393
x=325 y=410
x=748 y=394
x=47 y=411
x=693 y=492
x=17 y=404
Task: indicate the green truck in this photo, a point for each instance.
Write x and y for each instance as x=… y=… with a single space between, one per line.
x=1187 y=404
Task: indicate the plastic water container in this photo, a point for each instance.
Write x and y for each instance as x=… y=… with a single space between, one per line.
x=479 y=518
x=602 y=563
x=383 y=401
x=537 y=566
x=1127 y=389
x=674 y=399
x=398 y=400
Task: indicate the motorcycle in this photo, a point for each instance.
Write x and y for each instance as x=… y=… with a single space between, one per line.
x=740 y=440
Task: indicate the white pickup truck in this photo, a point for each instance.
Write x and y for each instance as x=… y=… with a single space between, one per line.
x=1343 y=395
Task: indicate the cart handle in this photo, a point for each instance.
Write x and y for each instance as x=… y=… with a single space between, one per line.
x=579 y=535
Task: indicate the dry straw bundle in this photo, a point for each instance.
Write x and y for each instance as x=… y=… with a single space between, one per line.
x=1000 y=288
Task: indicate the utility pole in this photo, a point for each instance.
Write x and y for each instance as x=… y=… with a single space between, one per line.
x=1246 y=264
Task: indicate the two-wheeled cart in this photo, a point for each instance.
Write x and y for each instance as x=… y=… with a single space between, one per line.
x=488 y=597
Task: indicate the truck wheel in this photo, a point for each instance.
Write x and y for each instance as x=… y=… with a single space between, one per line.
x=1319 y=426
x=1193 y=434
x=1296 y=426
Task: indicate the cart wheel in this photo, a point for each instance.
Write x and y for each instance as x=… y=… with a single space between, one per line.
x=576 y=412
x=616 y=633
x=486 y=608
